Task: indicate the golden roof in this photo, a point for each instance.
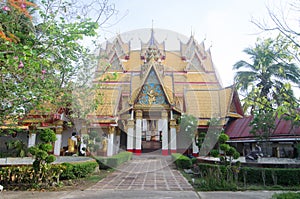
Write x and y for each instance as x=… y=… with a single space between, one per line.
x=187 y=77
x=110 y=97
x=209 y=103
x=134 y=61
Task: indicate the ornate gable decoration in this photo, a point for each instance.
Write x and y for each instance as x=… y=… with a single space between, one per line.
x=195 y=64
x=193 y=53
x=152 y=92
x=114 y=53
x=115 y=64
x=153 y=50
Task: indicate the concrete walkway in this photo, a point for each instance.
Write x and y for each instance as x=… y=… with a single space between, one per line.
x=146 y=176
x=145 y=173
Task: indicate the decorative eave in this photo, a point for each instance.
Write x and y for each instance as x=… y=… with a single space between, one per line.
x=23 y=127
x=235 y=115
x=177 y=109
x=237 y=102
x=124 y=110
x=97 y=119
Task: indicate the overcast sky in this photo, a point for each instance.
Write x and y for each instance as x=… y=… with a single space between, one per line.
x=225 y=25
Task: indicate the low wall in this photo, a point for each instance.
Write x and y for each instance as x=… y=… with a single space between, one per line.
x=29 y=160
x=262 y=162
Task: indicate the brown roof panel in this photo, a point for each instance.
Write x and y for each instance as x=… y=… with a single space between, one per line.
x=240 y=129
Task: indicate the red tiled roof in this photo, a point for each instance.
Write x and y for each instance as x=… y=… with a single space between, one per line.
x=240 y=129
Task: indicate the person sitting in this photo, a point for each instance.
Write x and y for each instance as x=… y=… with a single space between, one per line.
x=82 y=150
x=72 y=143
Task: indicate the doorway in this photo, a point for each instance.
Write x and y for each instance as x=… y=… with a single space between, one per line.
x=151 y=136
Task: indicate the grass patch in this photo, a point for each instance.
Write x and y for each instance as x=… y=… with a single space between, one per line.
x=288 y=195
x=202 y=184
x=83 y=183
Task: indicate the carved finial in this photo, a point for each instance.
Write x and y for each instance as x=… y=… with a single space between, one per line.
x=152 y=40
x=152 y=23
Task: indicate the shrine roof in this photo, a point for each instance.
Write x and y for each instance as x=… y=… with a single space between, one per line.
x=240 y=129
x=109 y=100
x=211 y=103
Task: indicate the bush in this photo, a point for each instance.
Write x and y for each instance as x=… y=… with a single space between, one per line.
x=252 y=175
x=25 y=175
x=113 y=161
x=215 y=178
x=78 y=170
x=181 y=161
x=214 y=153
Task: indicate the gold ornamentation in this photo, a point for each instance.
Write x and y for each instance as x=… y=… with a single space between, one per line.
x=59 y=130
x=139 y=114
x=130 y=123
x=151 y=96
x=173 y=123
x=111 y=130
x=164 y=114
x=118 y=132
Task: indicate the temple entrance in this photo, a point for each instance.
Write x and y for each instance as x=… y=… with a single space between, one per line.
x=151 y=136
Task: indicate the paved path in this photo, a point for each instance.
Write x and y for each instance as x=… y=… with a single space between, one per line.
x=145 y=173
x=143 y=177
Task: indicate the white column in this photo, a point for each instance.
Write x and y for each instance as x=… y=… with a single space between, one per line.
x=195 y=148
x=173 y=145
x=130 y=135
x=138 y=132
x=31 y=139
x=117 y=144
x=57 y=144
x=165 y=142
x=58 y=141
x=110 y=143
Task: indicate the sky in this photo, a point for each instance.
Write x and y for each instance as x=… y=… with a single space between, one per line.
x=224 y=25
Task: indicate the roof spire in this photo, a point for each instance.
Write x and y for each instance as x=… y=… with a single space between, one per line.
x=152 y=23
x=152 y=40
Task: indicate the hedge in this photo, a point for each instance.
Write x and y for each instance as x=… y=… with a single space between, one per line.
x=181 y=161
x=270 y=176
x=254 y=175
x=113 y=161
x=25 y=175
x=78 y=170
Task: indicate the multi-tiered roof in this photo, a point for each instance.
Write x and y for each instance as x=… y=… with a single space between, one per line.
x=187 y=76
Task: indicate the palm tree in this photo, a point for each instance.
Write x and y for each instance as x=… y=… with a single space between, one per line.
x=266 y=75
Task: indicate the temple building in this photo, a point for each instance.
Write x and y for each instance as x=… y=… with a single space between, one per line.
x=147 y=80
x=146 y=83
x=146 y=89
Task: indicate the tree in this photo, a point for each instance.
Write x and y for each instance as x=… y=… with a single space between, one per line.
x=269 y=71
x=228 y=152
x=42 y=158
x=282 y=20
x=188 y=124
x=188 y=129
x=42 y=56
x=208 y=140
